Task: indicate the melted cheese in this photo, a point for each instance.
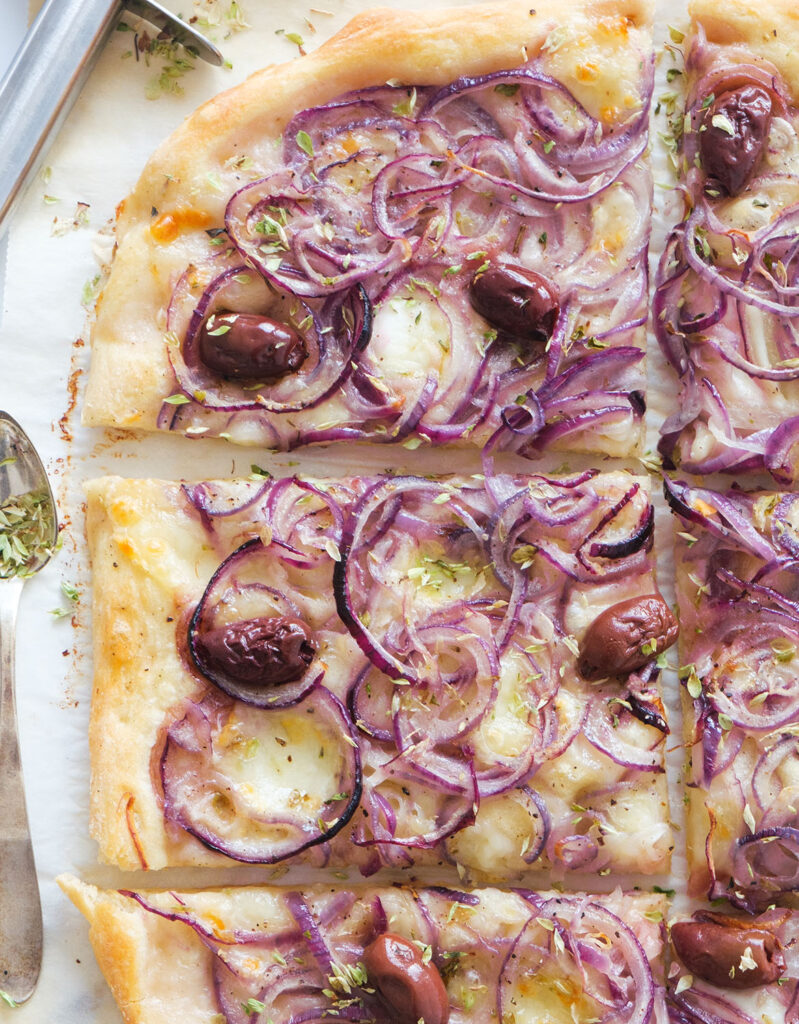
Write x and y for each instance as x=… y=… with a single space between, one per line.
x=152 y=559
x=168 y=966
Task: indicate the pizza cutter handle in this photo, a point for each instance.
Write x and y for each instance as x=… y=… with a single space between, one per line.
x=48 y=72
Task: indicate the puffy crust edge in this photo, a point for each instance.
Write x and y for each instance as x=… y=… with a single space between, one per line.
x=130 y=372
x=423 y=47
x=769 y=31
x=158 y=970
x=131 y=945
x=129 y=608
x=118 y=939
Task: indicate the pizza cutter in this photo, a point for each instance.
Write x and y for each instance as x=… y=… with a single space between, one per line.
x=49 y=70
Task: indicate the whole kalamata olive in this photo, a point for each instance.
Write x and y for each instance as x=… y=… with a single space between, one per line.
x=626 y=636
x=516 y=300
x=263 y=651
x=246 y=346
x=412 y=989
x=734 y=133
x=728 y=951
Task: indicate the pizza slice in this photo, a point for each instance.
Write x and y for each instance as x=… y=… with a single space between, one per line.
x=379 y=672
x=257 y=954
x=725 y=309
x=740 y=970
x=432 y=229
x=738 y=596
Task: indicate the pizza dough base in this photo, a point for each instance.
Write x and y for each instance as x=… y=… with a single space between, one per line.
x=769 y=31
x=159 y=970
x=721 y=801
x=151 y=562
x=130 y=372
x=743 y=33
x=721 y=797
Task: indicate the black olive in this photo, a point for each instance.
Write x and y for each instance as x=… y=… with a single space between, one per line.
x=625 y=636
x=247 y=346
x=264 y=651
x=728 y=952
x=517 y=300
x=733 y=136
x=411 y=989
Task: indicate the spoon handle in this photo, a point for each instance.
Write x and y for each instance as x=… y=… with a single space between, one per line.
x=20 y=908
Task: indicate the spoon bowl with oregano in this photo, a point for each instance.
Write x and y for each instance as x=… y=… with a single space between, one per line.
x=28 y=537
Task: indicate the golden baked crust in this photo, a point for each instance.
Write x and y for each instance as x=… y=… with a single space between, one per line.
x=598 y=57
x=769 y=31
x=425 y=47
x=160 y=971
x=140 y=585
x=422 y=47
x=152 y=558
x=156 y=969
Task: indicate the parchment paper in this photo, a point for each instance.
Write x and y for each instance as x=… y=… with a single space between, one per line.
x=96 y=160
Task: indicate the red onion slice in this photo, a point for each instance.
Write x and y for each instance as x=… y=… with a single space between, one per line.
x=573 y=530
x=616 y=732
x=776 y=769
x=698 y=1006
x=601 y=165
x=370 y=703
x=247 y=949
x=780 y=456
x=575 y=852
x=784 y=524
x=561 y=940
x=314 y=247
x=749 y=683
x=236 y=594
x=510 y=833
x=306 y=522
x=727 y=516
x=287 y=993
x=411 y=195
x=366 y=573
x=415 y=798
x=457 y=697
x=212 y=502
x=719 y=746
x=230 y=813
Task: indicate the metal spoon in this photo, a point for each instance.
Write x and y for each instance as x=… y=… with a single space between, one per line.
x=28 y=536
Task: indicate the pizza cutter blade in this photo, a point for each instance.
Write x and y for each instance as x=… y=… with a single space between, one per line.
x=48 y=72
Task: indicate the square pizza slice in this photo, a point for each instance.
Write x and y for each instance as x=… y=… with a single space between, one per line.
x=738 y=596
x=432 y=229
x=379 y=671
x=725 y=310
x=256 y=955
